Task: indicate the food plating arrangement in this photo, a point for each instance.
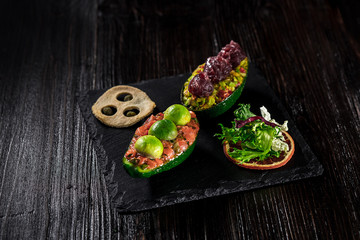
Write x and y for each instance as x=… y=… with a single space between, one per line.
x=168 y=138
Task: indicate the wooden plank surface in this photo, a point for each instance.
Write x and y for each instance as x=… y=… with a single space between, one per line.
x=51 y=185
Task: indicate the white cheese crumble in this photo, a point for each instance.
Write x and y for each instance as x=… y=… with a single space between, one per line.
x=278 y=144
x=266 y=115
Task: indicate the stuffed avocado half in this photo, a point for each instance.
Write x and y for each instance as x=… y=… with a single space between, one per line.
x=215 y=86
x=163 y=142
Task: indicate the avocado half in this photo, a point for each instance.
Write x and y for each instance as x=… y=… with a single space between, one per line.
x=221 y=107
x=137 y=171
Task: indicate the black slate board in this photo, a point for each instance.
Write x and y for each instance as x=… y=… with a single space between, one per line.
x=207 y=172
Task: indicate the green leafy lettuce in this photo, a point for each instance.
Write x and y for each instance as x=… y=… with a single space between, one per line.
x=254 y=140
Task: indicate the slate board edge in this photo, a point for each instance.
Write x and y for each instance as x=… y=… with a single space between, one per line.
x=201 y=194
x=82 y=100
x=295 y=131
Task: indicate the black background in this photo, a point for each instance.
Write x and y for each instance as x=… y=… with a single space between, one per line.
x=51 y=183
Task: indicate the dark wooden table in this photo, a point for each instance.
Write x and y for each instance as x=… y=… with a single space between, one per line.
x=51 y=184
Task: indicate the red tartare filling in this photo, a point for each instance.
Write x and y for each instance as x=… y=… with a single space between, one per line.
x=186 y=136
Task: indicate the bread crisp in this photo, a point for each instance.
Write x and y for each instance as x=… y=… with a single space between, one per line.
x=140 y=103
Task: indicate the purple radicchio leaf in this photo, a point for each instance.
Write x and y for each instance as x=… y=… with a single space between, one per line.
x=240 y=124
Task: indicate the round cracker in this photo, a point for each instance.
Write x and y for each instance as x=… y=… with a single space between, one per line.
x=140 y=101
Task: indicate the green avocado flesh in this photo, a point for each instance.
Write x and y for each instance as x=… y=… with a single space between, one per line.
x=209 y=106
x=137 y=171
